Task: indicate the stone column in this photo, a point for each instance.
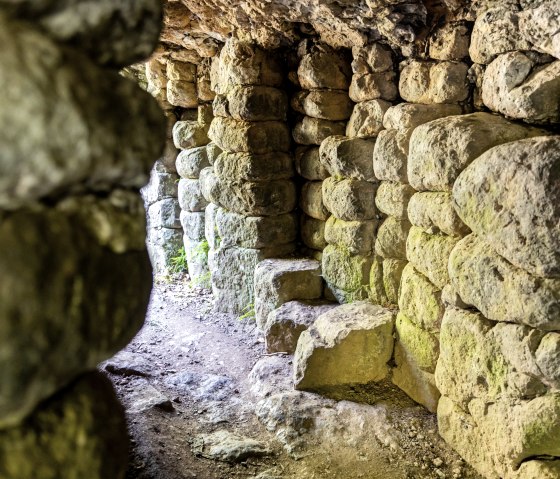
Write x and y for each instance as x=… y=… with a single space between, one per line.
x=250 y=180
x=323 y=75
x=78 y=141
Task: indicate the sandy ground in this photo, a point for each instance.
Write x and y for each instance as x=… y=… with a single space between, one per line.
x=186 y=375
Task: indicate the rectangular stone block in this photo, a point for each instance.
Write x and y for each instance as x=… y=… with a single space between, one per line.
x=430 y=254
x=391 y=238
x=160 y=186
x=182 y=93
x=253 y=103
x=180 y=71
x=431 y=82
x=313 y=232
x=420 y=300
x=312 y=131
x=357 y=236
x=164 y=214
x=390 y=155
x=321 y=66
x=348 y=157
x=197 y=261
x=345 y=271
x=434 y=213
x=278 y=281
x=392 y=198
x=252 y=137
x=311 y=200
x=193 y=224
x=334 y=105
x=406 y=116
x=346 y=347
x=308 y=163
x=253 y=167
x=210 y=228
x=371 y=86
x=372 y=58
x=350 y=199
x=190 y=195
x=190 y=134
x=367 y=119
x=191 y=162
x=255 y=231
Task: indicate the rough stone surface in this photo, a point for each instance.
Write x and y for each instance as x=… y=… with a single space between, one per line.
x=311 y=200
x=250 y=198
x=420 y=300
x=372 y=58
x=101 y=265
x=285 y=324
x=242 y=136
x=418 y=346
x=332 y=105
x=190 y=134
x=501 y=291
x=357 y=236
x=344 y=271
x=79 y=432
x=324 y=67
x=193 y=224
x=390 y=155
x=313 y=232
x=404 y=116
x=191 y=162
x=308 y=163
x=491 y=383
x=434 y=213
x=312 y=131
x=450 y=42
x=255 y=231
x=164 y=214
x=496 y=31
x=229 y=447
x=391 y=238
x=182 y=93
x=370 y=86
x=253 y=167
x=113 y=132
x=429 y=254
x=190 y=195
x=367 y=119
x=510 y=197
x=428 y=82
x=515 y=86
x=278 y=281
x=349 y=199
x=348 y=157
x=254 y=103
x=441 y=149
x=541 y=26
x=392 y=198
x=347 y=346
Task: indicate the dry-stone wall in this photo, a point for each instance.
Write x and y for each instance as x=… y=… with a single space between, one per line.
x=77 y=143
x=427 y=153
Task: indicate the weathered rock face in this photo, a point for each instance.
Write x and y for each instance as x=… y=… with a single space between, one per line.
x=79 y=432
x=347 y=346
x=97 y=117
x=510 y=197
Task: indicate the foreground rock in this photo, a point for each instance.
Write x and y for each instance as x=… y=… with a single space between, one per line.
x=79 y=432
x=346 y=347
x=227 y=446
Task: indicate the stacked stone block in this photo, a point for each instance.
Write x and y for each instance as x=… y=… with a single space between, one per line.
x=349 y=195
x=324 y=78
x=250 y=181
x=373 y=88
x=498 y=370
x=76 y=276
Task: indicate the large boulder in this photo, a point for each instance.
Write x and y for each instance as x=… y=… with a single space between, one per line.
x=346 y=347
x=510 y=196
x=441 y=149
x=86 y=256
x=101 y=132
x=79 y=432
x=502 y=292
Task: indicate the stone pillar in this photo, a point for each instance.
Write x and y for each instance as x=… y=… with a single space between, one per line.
x=78 y=141
x=324 y=76
x=250 y=180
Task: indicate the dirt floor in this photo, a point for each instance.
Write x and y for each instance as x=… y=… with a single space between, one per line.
x=187 y=376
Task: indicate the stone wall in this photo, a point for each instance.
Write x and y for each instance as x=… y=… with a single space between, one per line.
x=77 y=143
